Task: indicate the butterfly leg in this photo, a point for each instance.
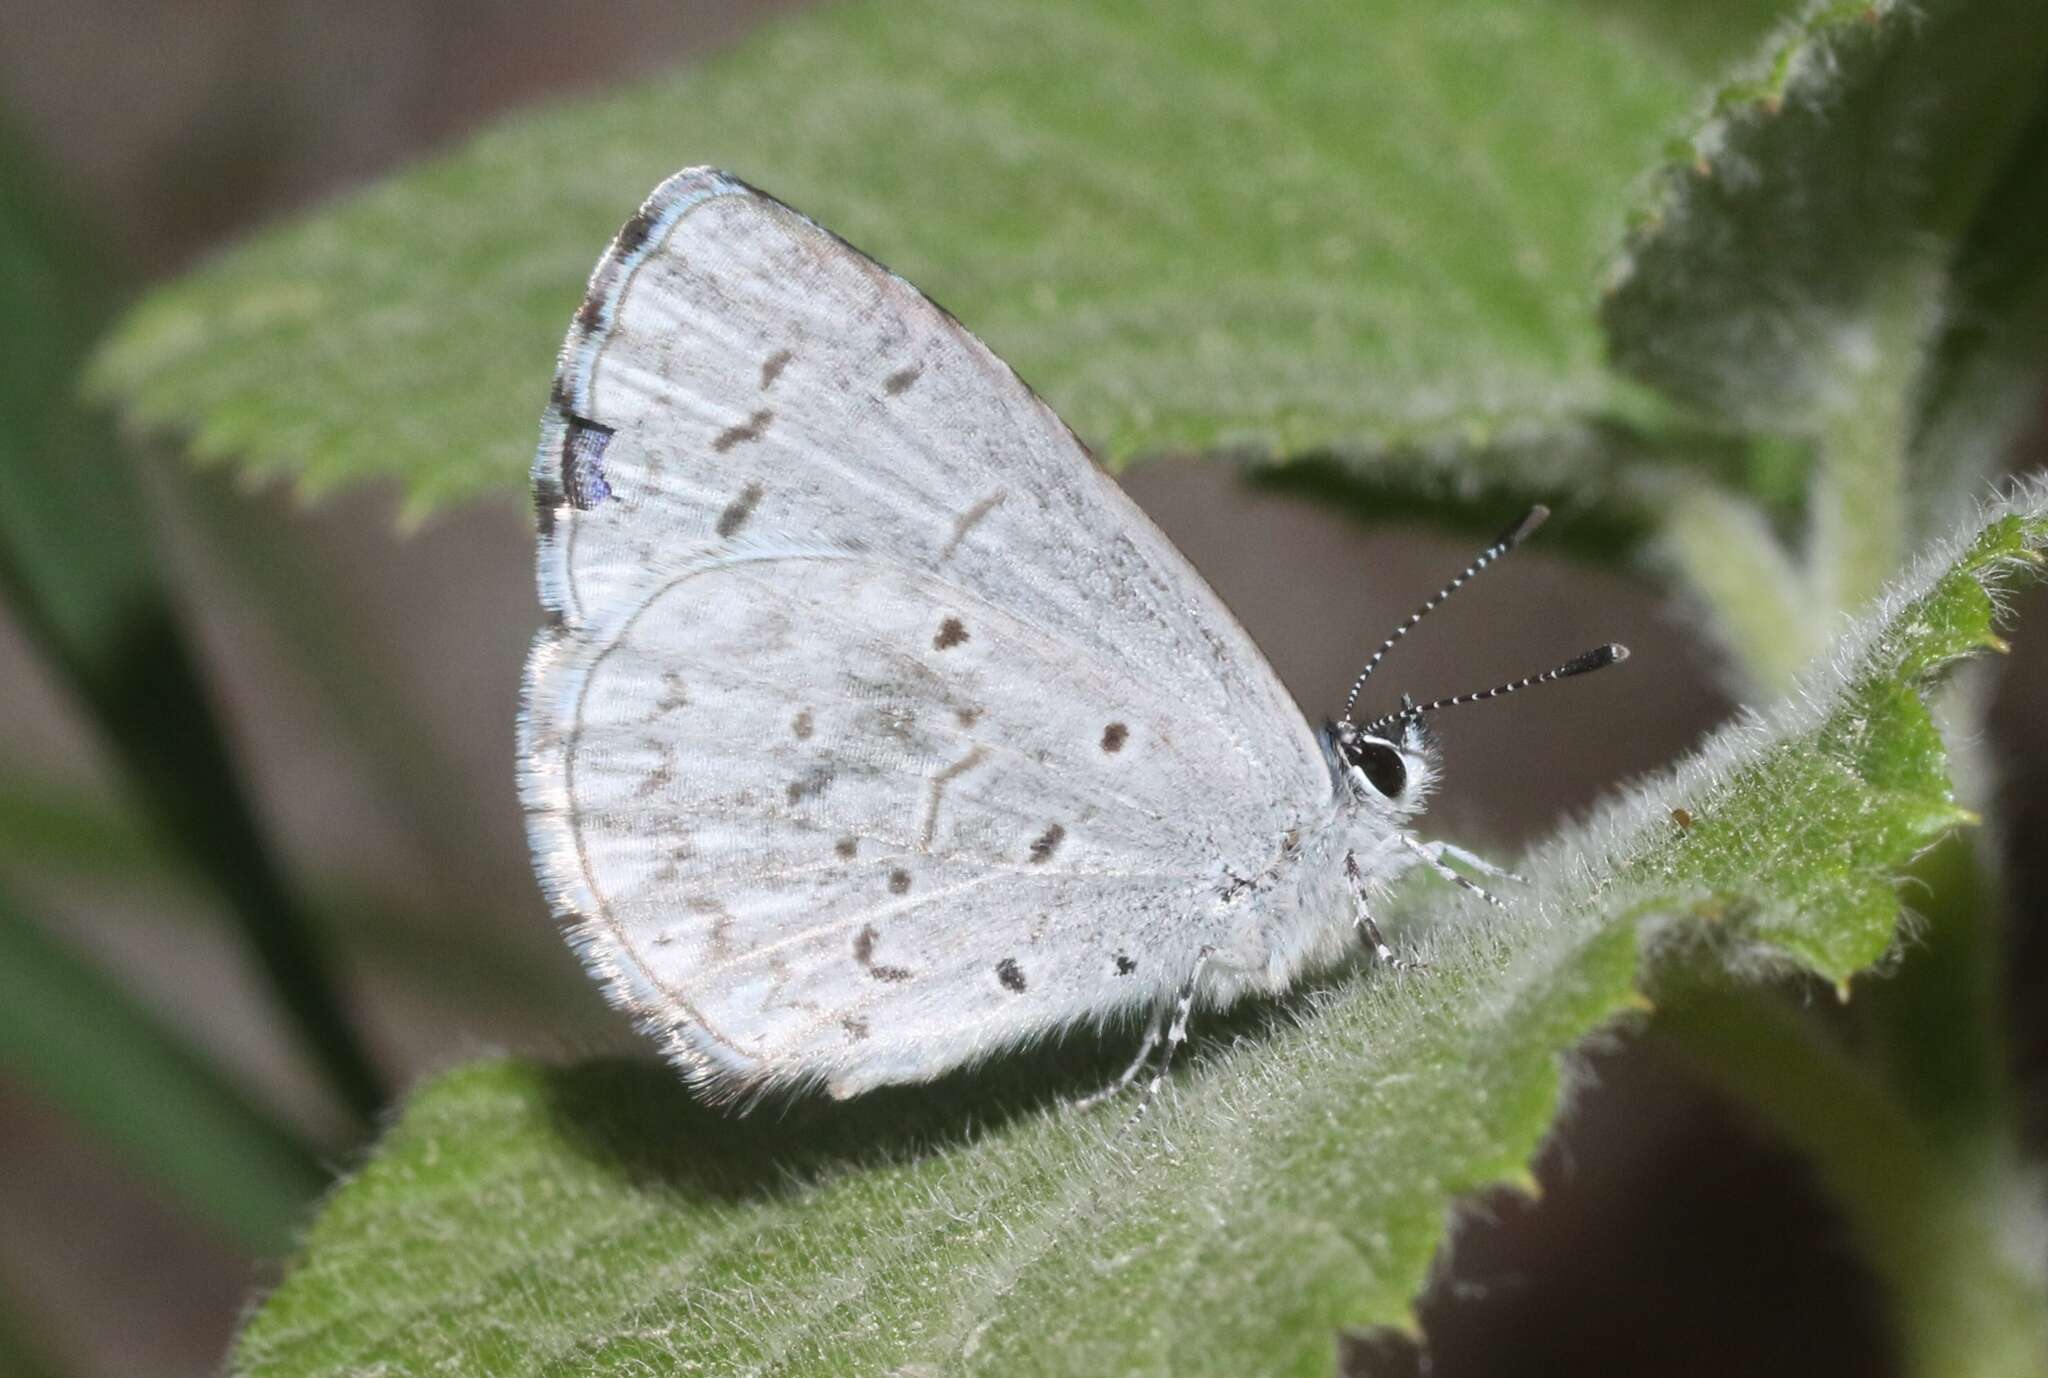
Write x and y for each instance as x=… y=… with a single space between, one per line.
x=1440 y=850
x=1176 y=1034
x=1432 y=856
x=1183 y=1007
x=1155 y=1030
x=1359 y=891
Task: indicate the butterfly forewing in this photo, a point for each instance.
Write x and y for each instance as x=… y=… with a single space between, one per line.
x=874 y=728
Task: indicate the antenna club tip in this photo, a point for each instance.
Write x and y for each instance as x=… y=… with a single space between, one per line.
x=1523 y=529
x=1599 y=658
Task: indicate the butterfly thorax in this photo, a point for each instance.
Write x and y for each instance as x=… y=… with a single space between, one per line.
x=1299 y=908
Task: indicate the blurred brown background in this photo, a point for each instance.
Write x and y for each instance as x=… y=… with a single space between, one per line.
x=177 y=128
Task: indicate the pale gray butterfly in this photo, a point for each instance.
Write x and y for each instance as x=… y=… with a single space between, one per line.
x=873 y=730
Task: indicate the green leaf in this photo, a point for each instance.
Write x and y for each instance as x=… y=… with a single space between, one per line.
x=1615 y=487
x=523 y=1219
x=77 y=1037
x=77 y=570
x=1982 y=385
x=1822 y=181
x=45 y=827
x=1194 y=225
x=72 y=535
x=1800 y=254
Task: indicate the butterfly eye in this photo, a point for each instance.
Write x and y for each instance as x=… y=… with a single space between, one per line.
x=1382 y=765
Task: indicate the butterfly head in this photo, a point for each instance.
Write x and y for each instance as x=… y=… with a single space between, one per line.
x=1391 y=761
x=1391 y=766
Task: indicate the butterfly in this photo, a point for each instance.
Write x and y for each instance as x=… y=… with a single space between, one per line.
x=872 y=730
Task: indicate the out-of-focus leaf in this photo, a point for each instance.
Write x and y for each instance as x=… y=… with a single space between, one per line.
x=77 y=570
x=47 y=834
x=1949 y=1241
x=1847 y=158
x=1612 y=485
x=79 y=1039
x=1799 y=255
x=1984 y=383
x=1196 y=225
x=21 y=1356
x=43 y=827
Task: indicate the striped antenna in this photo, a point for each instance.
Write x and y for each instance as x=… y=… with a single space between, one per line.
x=1509 y=539
x=1599 y=658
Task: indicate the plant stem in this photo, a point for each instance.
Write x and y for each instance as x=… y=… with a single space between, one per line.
x=1937 y=1227
x=1726 y=554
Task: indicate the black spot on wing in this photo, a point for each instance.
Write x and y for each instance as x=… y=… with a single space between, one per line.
x=951 y=633
x=847 y=847
x=810 y=784
x=1124 y=965
x=1046 y=843
x=656 y=780
x=753 y=428
x=899 y=881
x=801 y=727
x=1011 y=975
x=898 y=383
x=718 y=940
x=1114 y=736
x=675 y=693
x=864 y=953
x=739 y=510
x=772 y=366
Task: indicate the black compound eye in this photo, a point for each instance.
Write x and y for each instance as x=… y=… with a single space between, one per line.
x=1382 y=765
